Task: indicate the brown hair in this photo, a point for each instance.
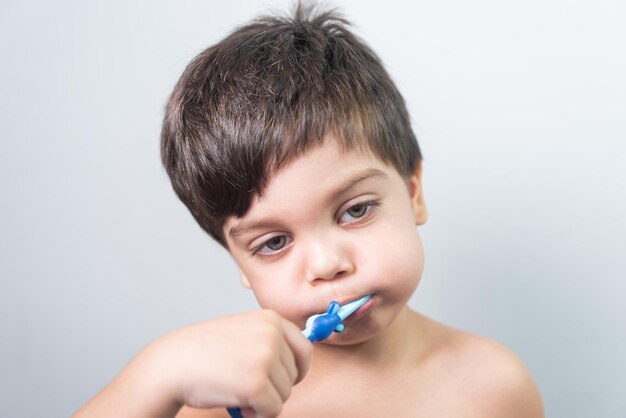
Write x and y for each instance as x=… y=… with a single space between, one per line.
x=265 y=94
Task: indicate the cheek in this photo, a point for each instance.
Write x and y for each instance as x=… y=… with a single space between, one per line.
x=281 y=286
x=273 y=291
x=397 y=258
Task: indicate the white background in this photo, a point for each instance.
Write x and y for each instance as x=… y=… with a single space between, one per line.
x=520 y=109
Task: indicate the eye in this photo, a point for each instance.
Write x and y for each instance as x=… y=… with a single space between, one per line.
x=276 y=243
x=357 y=211
x=272 y=245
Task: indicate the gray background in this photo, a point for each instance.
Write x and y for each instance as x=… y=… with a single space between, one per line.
x=520 y=108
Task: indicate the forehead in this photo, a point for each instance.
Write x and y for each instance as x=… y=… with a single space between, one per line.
x=318 y=168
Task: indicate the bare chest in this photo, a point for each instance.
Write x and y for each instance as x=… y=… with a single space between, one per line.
x=398 y=397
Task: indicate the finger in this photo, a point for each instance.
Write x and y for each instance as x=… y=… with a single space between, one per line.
x=247 y=413
x=281 y=381
x=268 y=403
x=301 y=348
x=288 y=361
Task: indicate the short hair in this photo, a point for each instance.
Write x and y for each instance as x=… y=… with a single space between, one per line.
x=267 y=93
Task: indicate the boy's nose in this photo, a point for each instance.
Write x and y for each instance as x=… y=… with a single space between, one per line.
x=328 y=259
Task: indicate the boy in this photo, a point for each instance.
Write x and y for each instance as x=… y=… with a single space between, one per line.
x=292 y=147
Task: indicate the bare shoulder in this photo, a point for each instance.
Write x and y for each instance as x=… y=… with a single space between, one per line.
x=480 y=376
x=187 y=412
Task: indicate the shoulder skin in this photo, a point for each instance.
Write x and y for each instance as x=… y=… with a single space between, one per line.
x=472 y=376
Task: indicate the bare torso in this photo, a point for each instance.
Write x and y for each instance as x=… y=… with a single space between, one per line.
x=444 y=372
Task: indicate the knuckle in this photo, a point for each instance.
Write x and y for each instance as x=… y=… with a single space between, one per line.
x=268 y=328
x=287 y=394
x=254 y=387
x=265 y=355
x=276 y=409
x=272 y=409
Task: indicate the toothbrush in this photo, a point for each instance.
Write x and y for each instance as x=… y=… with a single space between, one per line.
x=319 y=327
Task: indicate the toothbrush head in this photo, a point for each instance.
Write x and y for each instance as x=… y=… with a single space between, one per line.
x=349 y=308
x=321 y=326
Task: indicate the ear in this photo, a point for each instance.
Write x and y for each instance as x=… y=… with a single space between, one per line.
x=420 y=213
x=244 y=280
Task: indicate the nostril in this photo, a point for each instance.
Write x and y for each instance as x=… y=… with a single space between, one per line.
x=328 y=260
x=335 y=275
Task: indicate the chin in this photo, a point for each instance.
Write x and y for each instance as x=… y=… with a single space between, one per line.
x=347 y=338
x=357 y=332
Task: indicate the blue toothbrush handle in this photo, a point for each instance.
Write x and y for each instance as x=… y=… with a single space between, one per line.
x=234 y=412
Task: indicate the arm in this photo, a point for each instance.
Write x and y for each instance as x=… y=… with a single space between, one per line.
x=208 y=365
x=137 y=391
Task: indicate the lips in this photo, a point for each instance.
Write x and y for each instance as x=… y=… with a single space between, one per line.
x=344 y=301
x=356 y=314
x=363 y=310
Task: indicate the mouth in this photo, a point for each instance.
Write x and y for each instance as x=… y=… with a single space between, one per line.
x=363 y=310
x=359 y=313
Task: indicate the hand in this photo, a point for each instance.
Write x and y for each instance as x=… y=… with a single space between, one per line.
x=248 y=360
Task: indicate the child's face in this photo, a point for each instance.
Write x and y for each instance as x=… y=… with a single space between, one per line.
x=332 y=225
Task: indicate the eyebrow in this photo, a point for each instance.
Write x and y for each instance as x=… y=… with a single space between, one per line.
x=359 y=177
